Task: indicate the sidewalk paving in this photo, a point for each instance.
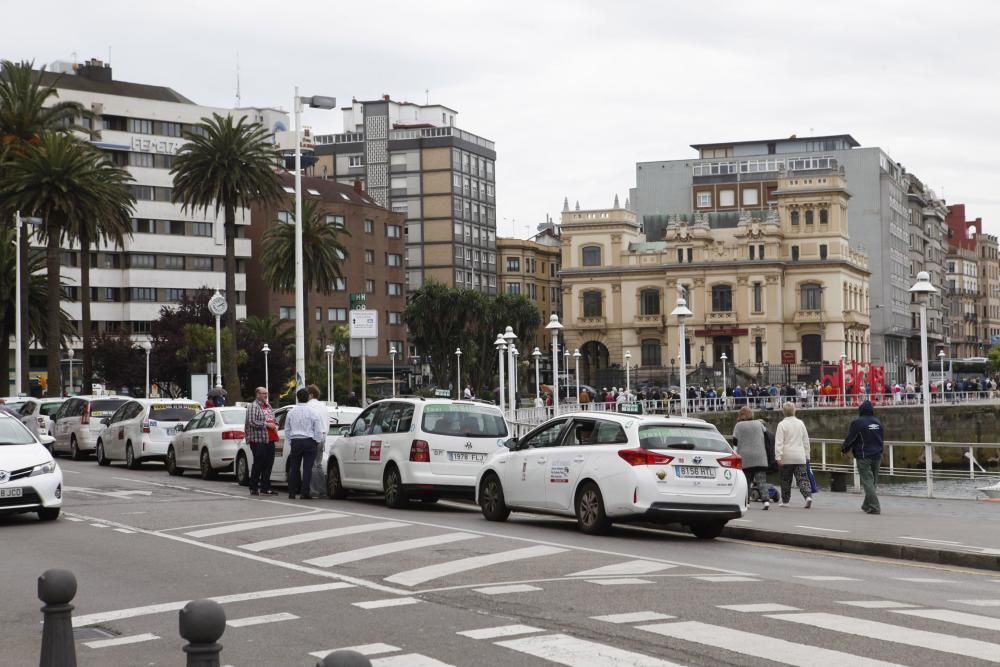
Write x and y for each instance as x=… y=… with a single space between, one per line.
x=952 y=532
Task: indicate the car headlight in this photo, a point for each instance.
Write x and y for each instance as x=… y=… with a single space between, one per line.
x=43 y=469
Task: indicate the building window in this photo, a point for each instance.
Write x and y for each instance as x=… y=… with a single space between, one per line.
x=758 y=298
x=394 y=289
x=758 y=349
x=336 y=314
x=513 y=288
x=393 y=259
x=760 y=251
x=339 y=284
x=722 y=299
x=752 y=252
x=824 y=216
x=370 y=286
x=174 y=294
x=750 y=197
x=513 y=265
x=727 y=198
x=591 y=256
x=172 y=262
x=369 y=256
x=809 y=217
x=336 y=221
x=822 y=250
x=201 y=229
x=592 y=304
x=393 y=231
x=285 y=217
x=649 y=303
x=393 y=317
x=704 y=200
x=795 y=217
x=680 y=255
x=319 y=314
x=690 y=255
x=143 y=294
x=811 y=297
x=355 y=160
x=286 y=312
x=651 y=352
x=795 y=253
x=200 y=263
x=369 y=226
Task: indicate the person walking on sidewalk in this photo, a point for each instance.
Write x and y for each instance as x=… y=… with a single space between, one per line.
x=306 y=431
x=791 y=450
x=261 y=433
x=864 y=441
x=748 y=438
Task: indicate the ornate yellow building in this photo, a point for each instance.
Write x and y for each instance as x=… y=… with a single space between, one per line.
x=776 y=288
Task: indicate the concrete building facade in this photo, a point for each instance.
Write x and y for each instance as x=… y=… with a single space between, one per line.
x=530 y=267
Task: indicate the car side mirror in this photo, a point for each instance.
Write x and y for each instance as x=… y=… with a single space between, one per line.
x=513 y=444
x=180 y=427
x=106 y=421
x=46 y=440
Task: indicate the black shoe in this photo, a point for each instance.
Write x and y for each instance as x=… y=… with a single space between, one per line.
x=254 y=493
x=308 y=497
x=291 y=496
x=269 y=492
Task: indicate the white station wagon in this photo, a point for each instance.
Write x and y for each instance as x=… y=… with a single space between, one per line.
x=141 y=430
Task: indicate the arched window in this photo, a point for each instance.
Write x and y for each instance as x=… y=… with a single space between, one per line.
x=591 y=255
x=809 y=217
x=722 y=299
x=649 y=302
x=592 y=306
x=651 y=352
x=824 y=216
x=811 y=297
x=795 y=217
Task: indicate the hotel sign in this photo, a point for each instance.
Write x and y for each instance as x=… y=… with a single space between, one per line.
x=149 y=145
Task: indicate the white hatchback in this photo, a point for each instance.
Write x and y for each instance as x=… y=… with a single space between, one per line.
x=30 y=479
x=36 y=414
x=141 y=430
x=77 y=423
x=208 y=442
x=415 y=447
x=606 y=467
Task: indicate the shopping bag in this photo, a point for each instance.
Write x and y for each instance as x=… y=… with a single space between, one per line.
x=814 y=488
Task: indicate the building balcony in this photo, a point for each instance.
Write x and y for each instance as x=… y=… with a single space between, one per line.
x=592 y=322
x=854 y=317
x=649 y=322
x=809 y=316
x=722 y=317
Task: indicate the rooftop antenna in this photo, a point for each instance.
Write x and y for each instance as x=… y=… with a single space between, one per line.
x=238 y=99
x=427 y=96
x=75 y=57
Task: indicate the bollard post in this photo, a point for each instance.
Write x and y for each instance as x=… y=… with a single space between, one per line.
x=202 y=623
x=344 y=658
x=56 y=588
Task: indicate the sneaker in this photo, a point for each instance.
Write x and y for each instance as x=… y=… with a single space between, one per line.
x=254 y=493
x=766 y=506
x=269 y=492
x=782 y=504
x=307 y=497
x=809 y=503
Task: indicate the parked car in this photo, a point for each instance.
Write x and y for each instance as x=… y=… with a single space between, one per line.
x=416 y=447
x=141 y=430
x=36 y=414
x=77 y=423
x=208 y=442
x=340 y=419
x=30 y=479
x=606 y=467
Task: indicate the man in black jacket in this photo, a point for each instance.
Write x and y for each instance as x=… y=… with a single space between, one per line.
x=864 y=441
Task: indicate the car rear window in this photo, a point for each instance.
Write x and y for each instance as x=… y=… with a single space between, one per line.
x=670 y=436
x=173 y=412
x=49 y=409
x=12 y=432
x=104 y=408
x=234 y=416
x=469 y=421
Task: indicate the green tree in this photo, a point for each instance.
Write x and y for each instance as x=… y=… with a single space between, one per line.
x=322 y=255
x=253 y=333
x=119 y=364
x=65 y=182
x=225 y=165
x=168 y=337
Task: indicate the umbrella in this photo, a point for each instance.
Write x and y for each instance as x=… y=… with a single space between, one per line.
x=215 y=392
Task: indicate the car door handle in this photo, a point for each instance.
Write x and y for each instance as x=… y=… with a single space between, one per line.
x=578 y=459
x=540 y=460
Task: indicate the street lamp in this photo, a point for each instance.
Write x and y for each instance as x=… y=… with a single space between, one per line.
x=267 y=379
x=458 y=373
x=509 y=337
x=941 y=356
x=554 y=326
x=501 y=346
x=329 y=350
x=513 y=381
x=392 y=355
x=148 y=347
x=70 y=353
x=566 y=368
x=316 y=102
x=576 y=356
x=923 y=289
x=17 y=306
x=537 y=354
x=843 y=378
x=628 y=377
x=682 y=312
x=724 y=358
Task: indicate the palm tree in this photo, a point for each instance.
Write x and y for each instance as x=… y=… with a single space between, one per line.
x=322 y=254
x=26 y=110
x=226 y=165
x=253 y=334
x=65 y=182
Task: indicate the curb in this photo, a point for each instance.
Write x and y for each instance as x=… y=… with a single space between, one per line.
x=867 y=548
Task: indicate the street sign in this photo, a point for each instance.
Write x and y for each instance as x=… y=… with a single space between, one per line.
x=364 y=324
x=358 y=300
x=788 y=356
x=371 y=349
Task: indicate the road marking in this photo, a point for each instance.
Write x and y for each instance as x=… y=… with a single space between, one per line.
x=126 y=531
x=625 y=581
x=408 y=660
x=819 y=577
x=133 y=612
x=927 y=539
x=71 y=518
x=263 y=523
x=923 y=580
x=317 y=535
x=957 y=617
x=829 y=530
x=72 y=472
x=501 y=631
x=230 y=521
x=422 y=574
x=389 y=548
x=390 y=602
x=364 y=649
x=760 y=646
x=979 y=603
x=142 y=481
x=628 y=567
x=565 y=650
x=260 y=620
x=502 y=590
x=634 y=617
x=99 y=525
x=876 y=604
x=762 y=608
x=886 y=632
x=723 y=579
x=121 y=641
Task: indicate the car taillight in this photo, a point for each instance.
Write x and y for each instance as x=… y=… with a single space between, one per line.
x=41 y=422
x=145 y=426
x=735 y=461
x=85 y=417
x=420 y=451
x=233 y=435
x=643 y=457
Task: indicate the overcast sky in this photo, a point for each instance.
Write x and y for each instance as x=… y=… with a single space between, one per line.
x=574 y=93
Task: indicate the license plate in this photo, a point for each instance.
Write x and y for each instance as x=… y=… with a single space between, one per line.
x=705 y=472
x=11 y=493
x=466 y=457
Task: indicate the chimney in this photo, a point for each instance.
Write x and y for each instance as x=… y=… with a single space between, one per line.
x=357 y=186
x=95 y=70
x=385 y=98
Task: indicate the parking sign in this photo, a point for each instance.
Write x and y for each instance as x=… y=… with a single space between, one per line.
x=364 y=323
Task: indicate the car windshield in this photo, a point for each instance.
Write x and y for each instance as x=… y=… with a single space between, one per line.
x=672 y=436
x=12 y=432
x=104 y=408
x=234 y=416
x=49 y=409
x=470 y=421
x=173 y=412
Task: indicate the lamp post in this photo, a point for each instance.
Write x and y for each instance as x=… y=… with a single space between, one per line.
x=17 y=306
x=513 y=381
x=724 y=358
x=566 y=368
x=501 y=346
x=148 y=347
x=554 y=326
x=628 y=377
x=70 y=353
x=392 y=355
x=843 y=379
x=267 y=378
x=576 y=356
x=329 y=350
x=509 y=337
x=316 y=102
x=458 y=373
x=941 y=356
x=682 y=312
x=537 y=354
x=217 y=306
x=923 y=289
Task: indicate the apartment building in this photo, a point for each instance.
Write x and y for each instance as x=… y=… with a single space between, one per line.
x=530 y=267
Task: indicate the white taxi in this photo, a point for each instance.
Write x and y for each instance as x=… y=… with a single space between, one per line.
x=36 y=414
x=606 y=467
x=141 y=430
x=30 y=479
x=415 y=447
x=208 y=442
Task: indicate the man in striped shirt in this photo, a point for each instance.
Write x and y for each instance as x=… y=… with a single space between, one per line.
x=262 y=433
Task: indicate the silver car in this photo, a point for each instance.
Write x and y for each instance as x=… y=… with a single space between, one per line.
x=77 y=423
x=36 y=414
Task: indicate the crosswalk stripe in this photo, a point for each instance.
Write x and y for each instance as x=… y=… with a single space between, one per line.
x=887 y=632
x=759 y=646
x=388 y=602
x=876 y=604
x=762 y=608
x=260 y=620
x=408 y=660
x=923 y=580
x=503 y=590
x=390 y=548
x=633 y=617
x=628 y=567
x=825 y=578
x=979 y=603
x=565 y=650
x=501 y=631
x=121 y=641
x=317 y=535
x=725 y=579
x=422 y=574
x=957 y=617
x=263 y=523
x=364 y=649
x=627 y=581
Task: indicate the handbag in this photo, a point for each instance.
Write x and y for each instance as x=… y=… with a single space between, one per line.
x=772 y=463
x=813 y=487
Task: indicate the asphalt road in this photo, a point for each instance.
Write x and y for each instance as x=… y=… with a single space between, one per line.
x=438 y=585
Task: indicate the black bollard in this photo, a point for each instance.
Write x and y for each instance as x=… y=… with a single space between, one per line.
x=56 y=588
x=344 y=658
x=202 y=623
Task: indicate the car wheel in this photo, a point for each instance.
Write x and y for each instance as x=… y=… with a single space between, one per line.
x=48 y=513
x=131 y=462
x=395 y=497
x=491 y=499
x=707 y=530
x=334 y=488
x=207 y=471
x=172 y=468
x=74 y=449
x=242 y=470
x=102 y=460
x=590 y=510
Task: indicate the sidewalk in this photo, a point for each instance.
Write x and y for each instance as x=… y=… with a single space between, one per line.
x=950 y=532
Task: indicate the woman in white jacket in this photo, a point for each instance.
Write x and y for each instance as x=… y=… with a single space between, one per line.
x=791 y=450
